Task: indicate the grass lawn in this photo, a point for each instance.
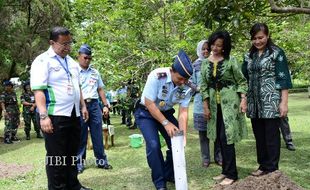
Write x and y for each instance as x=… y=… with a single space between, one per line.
x=130 y=169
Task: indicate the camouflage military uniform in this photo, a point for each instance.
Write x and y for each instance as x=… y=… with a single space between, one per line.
x=11 y=118
x=132 y=97
x=29 y=114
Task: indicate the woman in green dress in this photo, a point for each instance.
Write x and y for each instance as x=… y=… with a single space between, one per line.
x=223 y=88
x=265 y=67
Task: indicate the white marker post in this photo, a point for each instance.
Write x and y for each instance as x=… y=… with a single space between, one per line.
x=179 y=164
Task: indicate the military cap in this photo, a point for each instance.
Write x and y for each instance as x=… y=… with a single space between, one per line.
x=85 y=49
x=7 y=83
x=183 y=64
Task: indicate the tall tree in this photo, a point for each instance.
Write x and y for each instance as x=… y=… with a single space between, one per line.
x=24 y=32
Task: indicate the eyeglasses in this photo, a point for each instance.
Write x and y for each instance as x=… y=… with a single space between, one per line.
x=89 y=58
x=65 y=44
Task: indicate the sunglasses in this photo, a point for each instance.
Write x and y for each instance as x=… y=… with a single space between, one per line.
x=89 y=58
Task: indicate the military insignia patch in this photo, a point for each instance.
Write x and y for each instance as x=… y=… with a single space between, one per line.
x=162 y=103
x=161 y=75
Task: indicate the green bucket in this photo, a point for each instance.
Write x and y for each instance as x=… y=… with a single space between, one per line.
x=136 y=140
x=161 y=140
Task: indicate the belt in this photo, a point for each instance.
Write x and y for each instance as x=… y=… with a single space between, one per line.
x=143 y=107
x=89 y=100
x=219 y=85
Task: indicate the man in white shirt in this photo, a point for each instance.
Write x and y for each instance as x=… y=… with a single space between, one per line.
x=54 y=79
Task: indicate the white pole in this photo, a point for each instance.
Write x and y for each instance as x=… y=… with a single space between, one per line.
x=179 y=165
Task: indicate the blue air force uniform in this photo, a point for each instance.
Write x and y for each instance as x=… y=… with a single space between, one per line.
x=160 y=89
x=91 y=81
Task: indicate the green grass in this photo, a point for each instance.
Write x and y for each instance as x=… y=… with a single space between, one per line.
x=130 y=167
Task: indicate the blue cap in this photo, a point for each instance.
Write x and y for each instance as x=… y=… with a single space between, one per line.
x=183 y=64
x=7 y=83
x=85 y=49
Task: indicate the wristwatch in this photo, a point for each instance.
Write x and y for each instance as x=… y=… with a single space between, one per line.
x=43 y=116
x=165 y=122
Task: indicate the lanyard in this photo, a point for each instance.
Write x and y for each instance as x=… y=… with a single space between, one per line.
x=65 y=67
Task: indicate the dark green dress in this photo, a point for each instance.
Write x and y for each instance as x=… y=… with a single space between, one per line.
x=267 y=75
x=231 y=82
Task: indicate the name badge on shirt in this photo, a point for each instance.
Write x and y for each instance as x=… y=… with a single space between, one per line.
x=32 y=98
x=70 y=89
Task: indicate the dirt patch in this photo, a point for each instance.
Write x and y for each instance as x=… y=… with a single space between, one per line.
x=273 y=181
x=13 y=170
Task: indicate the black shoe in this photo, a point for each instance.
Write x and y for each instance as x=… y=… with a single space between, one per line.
x=85 y=188
x=132 y=127
x=7 y=141
x=290 y=146
x=14 y=138
x=105 y=167
x=80 y=170
x=39 y=136
x=27 y=137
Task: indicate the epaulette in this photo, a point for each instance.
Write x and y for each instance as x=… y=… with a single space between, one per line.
x=161 y=75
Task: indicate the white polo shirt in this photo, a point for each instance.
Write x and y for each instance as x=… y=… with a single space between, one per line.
x=48 y=73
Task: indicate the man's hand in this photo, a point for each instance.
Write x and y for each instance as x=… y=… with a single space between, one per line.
x=105 y=112
x=32 y=107
x=46 y=125
x=171 y=129
x=84 y=113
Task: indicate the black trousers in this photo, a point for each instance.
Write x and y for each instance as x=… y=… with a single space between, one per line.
x=267 y=135
x=229 y=167
x=62 y=147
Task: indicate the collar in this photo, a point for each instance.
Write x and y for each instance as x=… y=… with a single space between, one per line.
x=51 y=53
x=90 y=67
x=169 y=76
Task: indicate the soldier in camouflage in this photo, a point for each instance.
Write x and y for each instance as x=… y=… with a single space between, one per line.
x=27 y=99
x=121 y=99
x=10 y=112
x=132 y=98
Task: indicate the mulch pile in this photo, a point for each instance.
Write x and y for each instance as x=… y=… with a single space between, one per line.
x=273 y=181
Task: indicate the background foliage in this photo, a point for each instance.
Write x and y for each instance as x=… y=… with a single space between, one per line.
x=132 y=37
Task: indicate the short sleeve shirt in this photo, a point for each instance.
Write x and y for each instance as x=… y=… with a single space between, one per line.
x=90 y=82
x=160 y=89
x=61 y=88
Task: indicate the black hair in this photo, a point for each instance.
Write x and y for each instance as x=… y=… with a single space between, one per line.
x=254 y=30
x=226 y=42
x=57 y=31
